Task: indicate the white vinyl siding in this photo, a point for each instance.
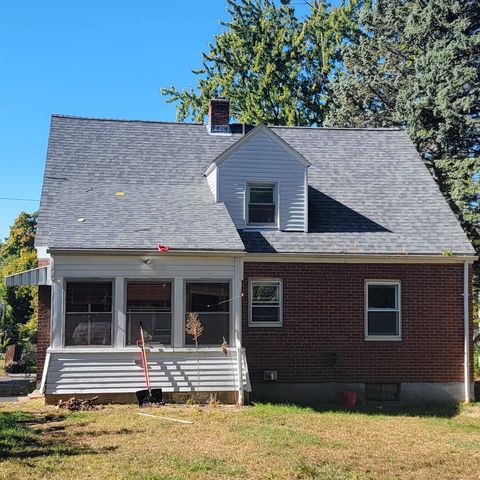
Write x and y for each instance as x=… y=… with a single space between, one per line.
x=263 y=160
x=121 y=372
x=212 y=182
x=131 y=266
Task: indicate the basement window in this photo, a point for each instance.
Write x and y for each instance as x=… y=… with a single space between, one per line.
x=149 y=303
x=382 y=392
x=261 y=205
x=382 y=310
x=88 y=313
x=265 y=303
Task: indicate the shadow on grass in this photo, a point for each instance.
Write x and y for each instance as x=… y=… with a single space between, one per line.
x=20 y=437
x=390 y=409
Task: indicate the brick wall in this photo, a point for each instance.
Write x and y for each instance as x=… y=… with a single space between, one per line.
x=323 y=314
x=43 y=332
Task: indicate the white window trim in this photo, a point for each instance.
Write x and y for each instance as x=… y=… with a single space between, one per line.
x=269 y=281
x=384 y=338
x=274 y=184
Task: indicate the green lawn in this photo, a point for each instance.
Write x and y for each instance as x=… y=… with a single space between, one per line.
x=258 y=442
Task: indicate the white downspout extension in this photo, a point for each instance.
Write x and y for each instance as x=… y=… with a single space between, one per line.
x=238 y=326
x=466 y=326
x=46 y=365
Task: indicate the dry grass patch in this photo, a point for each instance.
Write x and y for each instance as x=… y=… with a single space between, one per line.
x=262 y=442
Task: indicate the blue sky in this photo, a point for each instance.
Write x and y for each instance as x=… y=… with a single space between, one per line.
x=94 y=58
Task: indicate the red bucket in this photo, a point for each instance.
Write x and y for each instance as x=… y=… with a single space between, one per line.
x=349 y=398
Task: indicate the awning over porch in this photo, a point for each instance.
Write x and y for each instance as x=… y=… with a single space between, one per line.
x=35 y=276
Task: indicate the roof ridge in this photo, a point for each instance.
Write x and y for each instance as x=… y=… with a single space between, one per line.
x=298 y=127
x=102 y=119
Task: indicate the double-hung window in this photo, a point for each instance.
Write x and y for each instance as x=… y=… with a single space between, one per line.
x=149 y=303
x=88 y=313
x=383 y=310
x=261 y=205
x=265 y=303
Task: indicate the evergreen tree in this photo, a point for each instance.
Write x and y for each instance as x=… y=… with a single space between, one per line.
x=417 y=65
x=17 y=253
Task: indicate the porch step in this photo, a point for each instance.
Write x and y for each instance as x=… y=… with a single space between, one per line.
x=16 y=387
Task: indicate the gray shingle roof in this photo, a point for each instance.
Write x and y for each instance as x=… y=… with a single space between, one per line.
x=369 y=191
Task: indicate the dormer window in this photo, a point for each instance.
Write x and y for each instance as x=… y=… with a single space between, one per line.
x=261 y=205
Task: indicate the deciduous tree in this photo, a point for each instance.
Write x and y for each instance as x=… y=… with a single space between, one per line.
x=17 y=253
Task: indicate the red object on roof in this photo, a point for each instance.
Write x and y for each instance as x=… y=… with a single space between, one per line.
x=163 y=248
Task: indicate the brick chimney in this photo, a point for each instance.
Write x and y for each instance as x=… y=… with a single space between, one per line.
x=218 y=112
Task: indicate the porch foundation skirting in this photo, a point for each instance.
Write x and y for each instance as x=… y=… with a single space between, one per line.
x=118 y=373
x=416 y=393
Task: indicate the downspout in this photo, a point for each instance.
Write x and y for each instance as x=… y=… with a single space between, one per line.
x=238 y=327
x=466 y=326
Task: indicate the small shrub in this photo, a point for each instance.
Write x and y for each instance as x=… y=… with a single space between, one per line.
x=15 y=367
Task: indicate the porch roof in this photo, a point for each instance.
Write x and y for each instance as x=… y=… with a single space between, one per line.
x=34 y=276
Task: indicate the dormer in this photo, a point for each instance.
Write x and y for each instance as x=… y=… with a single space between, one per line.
x=263 y=181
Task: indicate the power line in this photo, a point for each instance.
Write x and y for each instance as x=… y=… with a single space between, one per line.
x=20 y=199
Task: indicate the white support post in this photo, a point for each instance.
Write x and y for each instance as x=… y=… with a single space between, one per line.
x=178 y=321
x=237 y=295
x=466 y=326
x=56 y=335
x=120 y=324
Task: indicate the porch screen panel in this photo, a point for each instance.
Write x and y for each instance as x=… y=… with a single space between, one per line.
x=211 y=301
x=88 y=313
x=151 y=304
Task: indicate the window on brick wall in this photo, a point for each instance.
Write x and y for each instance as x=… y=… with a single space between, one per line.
x=88 y=315
x=382 y=310
x=265 y=303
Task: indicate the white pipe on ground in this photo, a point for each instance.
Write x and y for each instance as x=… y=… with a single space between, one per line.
x=46 y=366
x=466 y=326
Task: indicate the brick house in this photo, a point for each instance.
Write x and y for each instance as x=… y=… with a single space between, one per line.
x=327 y=259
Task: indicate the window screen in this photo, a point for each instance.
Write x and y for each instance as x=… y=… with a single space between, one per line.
x=88 y=314
x=211 y=301
x=149 y=303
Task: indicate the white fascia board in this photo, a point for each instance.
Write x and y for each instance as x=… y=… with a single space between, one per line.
x=151 y=252
x=356 y=258
x=253 y=133
x=42 y=252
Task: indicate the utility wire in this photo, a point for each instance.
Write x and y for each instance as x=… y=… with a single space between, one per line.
x=20 y=199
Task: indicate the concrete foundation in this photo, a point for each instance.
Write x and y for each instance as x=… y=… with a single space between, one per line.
x=321 y=393
x=432 y=393
x=169 y=397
